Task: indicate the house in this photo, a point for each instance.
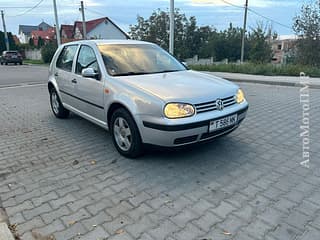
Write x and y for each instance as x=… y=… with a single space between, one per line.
x=25 y=31
x=46 y=35
x=283 y=48
x=101 y=28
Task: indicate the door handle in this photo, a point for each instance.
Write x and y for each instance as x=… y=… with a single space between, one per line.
x=74 y=81
x=56 y=74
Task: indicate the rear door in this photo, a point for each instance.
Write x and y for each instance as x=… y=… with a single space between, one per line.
x=89 y=91
x=64 y=74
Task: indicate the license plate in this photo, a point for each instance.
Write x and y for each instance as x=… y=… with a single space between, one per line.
x=14 y=56
x=223 y=122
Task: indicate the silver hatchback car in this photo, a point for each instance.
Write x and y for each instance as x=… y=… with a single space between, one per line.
x=142 y=94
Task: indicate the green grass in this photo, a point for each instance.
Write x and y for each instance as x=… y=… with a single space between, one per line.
x=261 y=69
x=37 y=62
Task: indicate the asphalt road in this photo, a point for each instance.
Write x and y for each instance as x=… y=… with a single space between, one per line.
x=12 y=75
x=64 y=177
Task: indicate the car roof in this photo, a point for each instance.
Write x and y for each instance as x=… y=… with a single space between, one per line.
x=104 y=42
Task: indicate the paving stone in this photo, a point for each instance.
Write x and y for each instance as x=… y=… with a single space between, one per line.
x=75 y=230
x=53 y=227
x=55 y=214
x=285 y=231
x=249 y=182
x=189 y=232
x=44 y=208
x=223 y=209
x=95 y=234
x=141 y=226
x=166 y=228
x=70 y=220
x=298 y=220
x=184 y=217
x=206 y=221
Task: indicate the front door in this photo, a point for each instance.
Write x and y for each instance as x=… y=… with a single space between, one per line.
x=89 y=91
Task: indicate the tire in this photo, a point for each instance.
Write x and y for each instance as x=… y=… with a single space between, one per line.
x=57 y=108
x=125 y=134
x=15 y=63
x=20 y=63
x=6 y=63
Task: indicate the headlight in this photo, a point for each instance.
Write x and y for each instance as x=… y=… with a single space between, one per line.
x=240 y=96
x=178 y=110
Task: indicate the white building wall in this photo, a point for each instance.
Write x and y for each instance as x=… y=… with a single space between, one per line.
x=23 y=38
x=33 y=54
x=106 y=31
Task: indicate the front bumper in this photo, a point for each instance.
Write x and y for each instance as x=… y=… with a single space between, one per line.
x=171 y=135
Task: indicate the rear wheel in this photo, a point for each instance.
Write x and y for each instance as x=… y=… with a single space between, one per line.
x=125 y=134
x=57 y=108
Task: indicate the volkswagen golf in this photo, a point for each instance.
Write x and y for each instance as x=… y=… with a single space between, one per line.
x=141 y=94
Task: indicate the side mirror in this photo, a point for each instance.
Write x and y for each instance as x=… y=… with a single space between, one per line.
x=89 y=73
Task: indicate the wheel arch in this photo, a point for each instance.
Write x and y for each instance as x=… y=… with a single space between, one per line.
x=113 y=107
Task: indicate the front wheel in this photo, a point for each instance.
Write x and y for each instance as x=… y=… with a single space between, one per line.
x=125 y=134
x=58 y=110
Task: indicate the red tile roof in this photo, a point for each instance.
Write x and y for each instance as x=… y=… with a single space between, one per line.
x=89 y=24
x=49 y=34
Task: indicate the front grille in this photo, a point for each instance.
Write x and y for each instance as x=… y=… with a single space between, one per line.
x=211 y=106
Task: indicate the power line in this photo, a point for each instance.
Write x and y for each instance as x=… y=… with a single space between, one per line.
x=258 y=14
x=231 y=4
x=269 y=19
x=28 y=10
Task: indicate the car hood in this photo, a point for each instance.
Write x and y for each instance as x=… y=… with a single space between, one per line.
x=183 y=86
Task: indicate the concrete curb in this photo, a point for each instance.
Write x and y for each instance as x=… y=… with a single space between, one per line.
x=5 y=233
x=269 y=80
x=277 y=83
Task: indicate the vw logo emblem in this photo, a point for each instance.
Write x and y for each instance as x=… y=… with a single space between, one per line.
x=219 y=104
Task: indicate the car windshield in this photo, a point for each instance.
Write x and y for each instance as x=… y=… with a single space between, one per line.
x=136 y=59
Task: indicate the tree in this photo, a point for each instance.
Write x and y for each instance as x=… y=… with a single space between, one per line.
x=260 y=49
x=47 y=52
x=31 y=42
x=307 y=27
x=12 y=44
x=156 y=29
x=40 y=42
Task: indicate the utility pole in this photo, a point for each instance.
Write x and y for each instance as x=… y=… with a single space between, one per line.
x=244 y=31
x=84 y=27
x=57 y=23
x=5 y=31
x=171 y=36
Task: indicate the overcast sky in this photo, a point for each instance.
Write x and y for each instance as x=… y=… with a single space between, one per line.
x=216 y=13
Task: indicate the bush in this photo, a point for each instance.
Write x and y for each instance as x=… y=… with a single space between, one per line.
x=261 y=69
x=47 y=52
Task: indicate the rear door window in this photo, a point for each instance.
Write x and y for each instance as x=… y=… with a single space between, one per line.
x=66 y=57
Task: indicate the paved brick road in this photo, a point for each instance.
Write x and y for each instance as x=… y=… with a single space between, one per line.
x=64 y=177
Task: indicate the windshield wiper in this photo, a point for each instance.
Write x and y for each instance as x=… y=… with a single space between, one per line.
x=166 y=71
x=129 y=74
